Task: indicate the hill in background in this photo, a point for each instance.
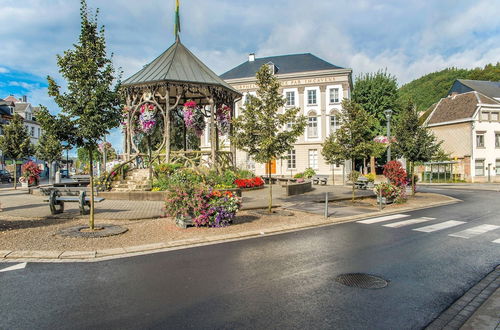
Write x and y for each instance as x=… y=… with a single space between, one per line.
x=430 y=88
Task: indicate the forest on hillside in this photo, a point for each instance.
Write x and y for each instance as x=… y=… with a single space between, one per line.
x=430 y=88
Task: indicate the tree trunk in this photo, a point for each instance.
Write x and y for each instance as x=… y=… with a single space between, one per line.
x=91 y=218
x=372 y=165
x=333 y=175
x=412 y=167
x=15 y=173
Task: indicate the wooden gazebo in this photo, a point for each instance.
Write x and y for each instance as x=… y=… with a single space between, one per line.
x=166 y=83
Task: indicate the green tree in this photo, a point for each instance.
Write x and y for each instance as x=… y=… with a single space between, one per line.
x=332 y=153
x=83 y=155
x=376 y=92
x=90 y=106
x=49 y=149
x=15 y=142
x=413 y=142
x=261 y=130
x=353 y=139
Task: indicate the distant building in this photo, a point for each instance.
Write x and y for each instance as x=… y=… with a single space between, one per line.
x=488 y=88
x=468 y=123
x=23 y=108
x=308 y=82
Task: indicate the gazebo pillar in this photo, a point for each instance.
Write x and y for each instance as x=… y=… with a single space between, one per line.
x=167 y=125
x=213 y=137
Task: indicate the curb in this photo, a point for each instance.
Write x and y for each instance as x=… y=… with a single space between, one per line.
x=124 y=252
x=464 y=308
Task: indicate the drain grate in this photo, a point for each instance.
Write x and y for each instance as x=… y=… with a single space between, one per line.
x=364 y=281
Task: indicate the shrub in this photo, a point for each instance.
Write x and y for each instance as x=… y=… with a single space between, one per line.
x=244 y=174
x=30 y=172
x=395 y=173
x=166 y=169
x=354 y=176
x=160 y=184
x=370 y=177
x=387 y=190
x=309 y=173
x=227 y=178
x=299 y=175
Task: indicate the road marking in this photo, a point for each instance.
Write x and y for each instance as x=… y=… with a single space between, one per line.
x=496 y=241
x=408 y=222
x=15 y=267
x=386 y=218
x=439 y=226
x=474 y=231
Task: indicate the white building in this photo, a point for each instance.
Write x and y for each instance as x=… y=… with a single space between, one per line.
x=28 y=112
x=308 y=82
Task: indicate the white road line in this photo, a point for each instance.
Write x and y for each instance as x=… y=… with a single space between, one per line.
x=386 y=218
x=15 y=267
x=474 y=231
x=439 y=226
x=496 y=241
x=408 y=222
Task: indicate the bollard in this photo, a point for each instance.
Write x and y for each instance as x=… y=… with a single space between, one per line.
x=380 y=199
x=326 y=205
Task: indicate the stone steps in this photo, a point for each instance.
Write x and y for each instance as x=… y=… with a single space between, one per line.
x=136 y=180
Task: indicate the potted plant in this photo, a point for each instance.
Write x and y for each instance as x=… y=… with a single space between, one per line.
x=386 y=193
x=30 y=174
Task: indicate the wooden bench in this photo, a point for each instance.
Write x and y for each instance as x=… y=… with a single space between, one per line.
x=320 y=178
x=56 y=202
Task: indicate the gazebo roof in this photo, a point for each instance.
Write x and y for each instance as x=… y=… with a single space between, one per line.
x=177 y=65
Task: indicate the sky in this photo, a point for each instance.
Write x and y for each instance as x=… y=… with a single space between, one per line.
x=409 y=38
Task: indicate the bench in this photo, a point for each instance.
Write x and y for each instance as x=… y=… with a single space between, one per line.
x=361 y=183
x=56 y=202
x=81 y=178
x=320 y=178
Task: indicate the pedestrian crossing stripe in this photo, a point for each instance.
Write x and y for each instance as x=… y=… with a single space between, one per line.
x=408 y=222
x=471 y=232
x=439 y=226
x=386 y=218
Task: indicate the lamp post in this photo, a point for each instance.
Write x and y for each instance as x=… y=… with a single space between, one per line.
x=388 y=114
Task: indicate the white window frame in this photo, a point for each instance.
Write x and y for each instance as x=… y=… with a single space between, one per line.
x=312 y=126
x=497 y=140
x=334 y=100
x=292 y=94
x=308 y=98
x=482 y=170
x=312 y=159
x=480 y=138
x=291 y=161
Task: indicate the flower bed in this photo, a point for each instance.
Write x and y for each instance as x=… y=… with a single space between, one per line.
x=249 y=183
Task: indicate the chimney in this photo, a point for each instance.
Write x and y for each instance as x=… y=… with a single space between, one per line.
x=25 y=99
x=251 y=57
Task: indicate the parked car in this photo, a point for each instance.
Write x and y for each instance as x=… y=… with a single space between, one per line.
x=5 y=176
x=64 y=173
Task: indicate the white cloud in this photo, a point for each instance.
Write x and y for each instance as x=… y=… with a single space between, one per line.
x=4 y=70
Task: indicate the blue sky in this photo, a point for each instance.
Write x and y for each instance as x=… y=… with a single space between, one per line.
x=410 y=38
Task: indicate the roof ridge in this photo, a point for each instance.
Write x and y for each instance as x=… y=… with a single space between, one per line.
x=477 y=97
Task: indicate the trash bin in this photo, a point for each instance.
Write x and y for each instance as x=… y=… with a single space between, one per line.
x=58 y=177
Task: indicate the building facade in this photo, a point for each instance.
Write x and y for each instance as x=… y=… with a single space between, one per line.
x=309 y=83
x=23 y=108
x=468 y=125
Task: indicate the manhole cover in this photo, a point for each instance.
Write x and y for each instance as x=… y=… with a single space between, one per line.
x=363 y=281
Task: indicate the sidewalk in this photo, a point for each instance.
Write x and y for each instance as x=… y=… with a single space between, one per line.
x=458 y=185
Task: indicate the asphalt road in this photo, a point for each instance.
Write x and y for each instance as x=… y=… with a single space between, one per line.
x=283 y=281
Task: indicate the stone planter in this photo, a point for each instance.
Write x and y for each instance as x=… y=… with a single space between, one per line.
x=184 y=222
x=24 y=185
x=385 y=200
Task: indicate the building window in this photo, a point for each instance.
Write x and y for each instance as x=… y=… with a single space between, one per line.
x=313 y=159
x=290 y=98
x=334 y=124
x=479 y=167
x=334 y=95
x=311 y=97
x=494 y=116
x=480 y=140
x=291 y=162
x=497 y=139
x=39 y=132
x=312 y=126
x=497 y=166
x=485 y=116
x=32 y=131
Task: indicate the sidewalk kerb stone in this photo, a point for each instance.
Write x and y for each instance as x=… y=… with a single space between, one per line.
x=145 y=247
x=4 y=253
x=77 y=255
x=110 y=252
x=34 y=254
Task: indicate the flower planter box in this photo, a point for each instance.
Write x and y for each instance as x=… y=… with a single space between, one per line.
x=385 y=200
x=24 y=185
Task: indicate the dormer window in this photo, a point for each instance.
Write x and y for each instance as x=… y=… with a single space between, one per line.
x=272 y=68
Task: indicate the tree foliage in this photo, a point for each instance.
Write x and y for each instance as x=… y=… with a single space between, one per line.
x=15 y=142
x=377 y=92
x=413 y=142
x=354 y=138
x=90 y=106
x=261 y=130
x=431 y=87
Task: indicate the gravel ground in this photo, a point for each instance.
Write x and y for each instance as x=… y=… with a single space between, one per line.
x=18 y=234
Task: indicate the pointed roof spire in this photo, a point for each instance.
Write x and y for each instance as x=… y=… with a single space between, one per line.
x=177 y=27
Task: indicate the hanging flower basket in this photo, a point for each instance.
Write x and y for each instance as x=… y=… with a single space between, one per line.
x=223 y=117
x=147 y=120
x=193 y=117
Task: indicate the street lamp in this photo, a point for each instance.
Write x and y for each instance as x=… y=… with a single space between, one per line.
x=388 y=114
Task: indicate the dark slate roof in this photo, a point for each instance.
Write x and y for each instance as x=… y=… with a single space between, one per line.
x=4 y=107
x=177 y=64
x=457 y=107
x=20 y=107
x=488 y=88
x=285 y=64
